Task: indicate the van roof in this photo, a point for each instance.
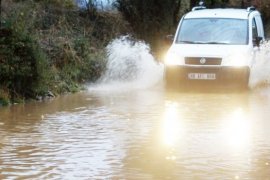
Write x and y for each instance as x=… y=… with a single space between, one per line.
x=220 y=13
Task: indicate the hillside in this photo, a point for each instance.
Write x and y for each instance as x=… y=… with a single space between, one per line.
x=50 y=48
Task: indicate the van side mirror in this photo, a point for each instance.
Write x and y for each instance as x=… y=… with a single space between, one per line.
x=169 y=39
x=257 y=41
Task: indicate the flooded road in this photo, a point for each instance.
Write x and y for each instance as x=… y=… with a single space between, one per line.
x=122 y=129
x=142 y=134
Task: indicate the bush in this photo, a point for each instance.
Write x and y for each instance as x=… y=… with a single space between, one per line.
x=4 y=97
x=23 y=64
x=50 y=46
x=92 y=62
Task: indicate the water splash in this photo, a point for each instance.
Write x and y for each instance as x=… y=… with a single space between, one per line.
x=260 y=72
x=130 y=65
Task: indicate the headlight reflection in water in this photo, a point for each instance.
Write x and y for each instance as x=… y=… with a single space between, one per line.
x=236 y=131
x=172 y=127
x=234 y=134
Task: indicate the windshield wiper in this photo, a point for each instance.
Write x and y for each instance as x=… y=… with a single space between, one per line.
x=202 y=42
x=214 y=42
x=192 y=42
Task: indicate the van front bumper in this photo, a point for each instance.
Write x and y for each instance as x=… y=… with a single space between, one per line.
x=177 y=76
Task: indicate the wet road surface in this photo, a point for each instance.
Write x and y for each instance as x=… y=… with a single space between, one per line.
x=143 y=134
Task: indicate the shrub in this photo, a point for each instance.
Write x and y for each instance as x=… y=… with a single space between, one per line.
x=23 y=64
x=47 y=46
x=4 y=97
x=80 y=62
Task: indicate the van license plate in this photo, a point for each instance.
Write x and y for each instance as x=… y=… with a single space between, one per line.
x=207 y=76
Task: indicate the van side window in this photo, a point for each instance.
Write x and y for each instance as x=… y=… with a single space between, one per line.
x=254 y=29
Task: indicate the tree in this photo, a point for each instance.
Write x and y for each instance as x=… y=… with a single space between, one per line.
x=0 y=13
x=210 y=3
x=91 y=7
x=150 y=18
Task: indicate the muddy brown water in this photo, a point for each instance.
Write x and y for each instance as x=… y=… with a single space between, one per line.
x=142 y=134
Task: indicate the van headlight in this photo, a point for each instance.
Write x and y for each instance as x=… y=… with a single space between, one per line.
x=237 y=61
x=171 y=58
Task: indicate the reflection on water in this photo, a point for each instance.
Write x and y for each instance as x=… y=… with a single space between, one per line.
x=171 y=127
x=147 y=134
x=236 y=130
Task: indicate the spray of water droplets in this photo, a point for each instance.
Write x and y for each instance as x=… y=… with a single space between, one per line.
x=260 y=71
x=130 y=65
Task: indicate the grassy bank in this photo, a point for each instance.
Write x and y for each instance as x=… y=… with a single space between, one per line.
x=47 y=48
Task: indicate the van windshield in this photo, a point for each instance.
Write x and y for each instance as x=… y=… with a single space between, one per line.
x=213 y=31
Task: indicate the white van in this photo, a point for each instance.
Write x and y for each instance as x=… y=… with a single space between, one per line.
x=214 y=46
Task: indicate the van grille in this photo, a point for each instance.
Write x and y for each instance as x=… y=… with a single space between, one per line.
x=198 y=61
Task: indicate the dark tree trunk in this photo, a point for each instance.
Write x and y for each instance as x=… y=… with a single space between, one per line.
x=0 y=13
x=176 y=10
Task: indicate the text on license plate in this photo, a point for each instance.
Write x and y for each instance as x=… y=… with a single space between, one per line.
x=207 y=76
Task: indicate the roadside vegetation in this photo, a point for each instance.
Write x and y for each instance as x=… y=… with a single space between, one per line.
x=50 y=47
